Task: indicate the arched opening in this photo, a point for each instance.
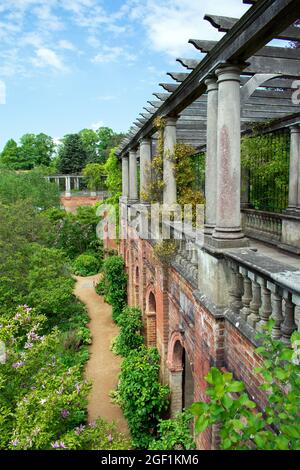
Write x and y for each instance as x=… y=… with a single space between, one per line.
x=151 y=320
x=181 y=380
x=137 y=286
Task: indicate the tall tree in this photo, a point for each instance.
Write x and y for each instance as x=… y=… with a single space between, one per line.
x=90 y=140
x=73 y=154
x=44 y=149
x=9 y=157
x=108 y=139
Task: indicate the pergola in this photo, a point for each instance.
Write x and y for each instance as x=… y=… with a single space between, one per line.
x=241 y=80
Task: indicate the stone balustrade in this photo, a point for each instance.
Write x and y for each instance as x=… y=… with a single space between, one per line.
x=265 y=226
x=262 y=289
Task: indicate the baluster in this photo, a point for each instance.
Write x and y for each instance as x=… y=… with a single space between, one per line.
x=255 y=303
x=288 y=325
x=276 y=310
x=236 y=290
x=194 y=260
x=296 y=301
x=266 y=306
x=247 y=297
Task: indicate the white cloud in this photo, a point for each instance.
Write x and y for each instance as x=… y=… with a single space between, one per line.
x=171 y=23
x=96 y=125
x=64 y=44
x=113 y=54
x=48 y=58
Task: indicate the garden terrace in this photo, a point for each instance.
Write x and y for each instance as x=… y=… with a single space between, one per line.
x=224 y=281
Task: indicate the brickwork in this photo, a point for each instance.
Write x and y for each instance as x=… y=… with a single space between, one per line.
x=176 y=321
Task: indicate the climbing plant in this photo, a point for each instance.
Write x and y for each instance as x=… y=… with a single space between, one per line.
x=267 y=159
x=174 y=434
x=141 y=396
x=242 y=425
x=114 y=284
x=130 y=337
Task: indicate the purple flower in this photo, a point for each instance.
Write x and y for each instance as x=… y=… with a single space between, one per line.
x=33 y=336
x=92 y=424
x=58 y=445
x=28 y=345
x=64 y=413
x=18 y=364
x=110 y=438
x=15 y=442
x=78 y=388
x=79 y=429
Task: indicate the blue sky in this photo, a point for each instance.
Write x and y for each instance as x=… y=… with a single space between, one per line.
x=71 y=64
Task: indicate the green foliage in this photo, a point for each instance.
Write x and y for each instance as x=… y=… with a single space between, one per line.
x=86 y=265
x=141 y=396
x=129 y=338
x=114 y=175
x=29 y=186
x=113 y=285
x=94 y=176
x=268 y=162
x=34 y=150
x=76 y=233
x=174 y=434
x=98 y=435
x=73 y=155
x=242 y=425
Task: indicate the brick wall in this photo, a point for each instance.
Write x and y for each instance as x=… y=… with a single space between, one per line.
x=208 y=340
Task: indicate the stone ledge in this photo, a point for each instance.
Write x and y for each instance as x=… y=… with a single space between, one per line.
x=242 y=326
x=217 y=312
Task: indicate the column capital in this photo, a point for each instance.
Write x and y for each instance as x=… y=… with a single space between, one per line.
x=171 y=121
x=145 y=141
x=211 y=83
x=295 y=129
x=229 y=72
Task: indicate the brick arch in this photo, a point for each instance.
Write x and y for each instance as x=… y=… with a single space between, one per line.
x=151 y=333
x=175 y=347
x=181 y=374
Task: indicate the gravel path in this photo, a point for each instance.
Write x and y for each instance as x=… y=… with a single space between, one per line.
x=103 y=366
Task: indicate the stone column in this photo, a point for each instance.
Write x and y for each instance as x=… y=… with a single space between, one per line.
x=133 y=190
x=145 y=166
x=170 y=190
x=57 y=182
x=294 y=178
x=211 y=156
x=77 y=183
x=125 y=178
x=68 y=186
x=228 y=232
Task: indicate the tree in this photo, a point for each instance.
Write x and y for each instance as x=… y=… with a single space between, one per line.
x=94 y=176
x=108 y=139
x=10 y=155
x=90 y=140
x=73 y=154
x=44 y=149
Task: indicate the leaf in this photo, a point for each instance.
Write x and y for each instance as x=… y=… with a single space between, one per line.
x=259 y=441
x=198 y=408
x=226 y=444
x=235 y=387
x=227 y=401
x=201 y=424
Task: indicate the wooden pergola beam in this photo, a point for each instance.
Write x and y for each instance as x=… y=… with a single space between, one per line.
x=225 y=24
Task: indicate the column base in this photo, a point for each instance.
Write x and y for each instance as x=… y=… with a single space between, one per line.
x=219 y=242
x=292 y=210
x=209 y=229
x=133 y=201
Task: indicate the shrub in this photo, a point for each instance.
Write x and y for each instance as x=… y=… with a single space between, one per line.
x=113 y=284
x=141 y=396
x=174 y=434
x=242 y=425
x=86 y=265
x=98 y=435
x=130 y=322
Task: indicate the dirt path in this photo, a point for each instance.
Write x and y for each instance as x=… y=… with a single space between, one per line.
x=103 y=366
